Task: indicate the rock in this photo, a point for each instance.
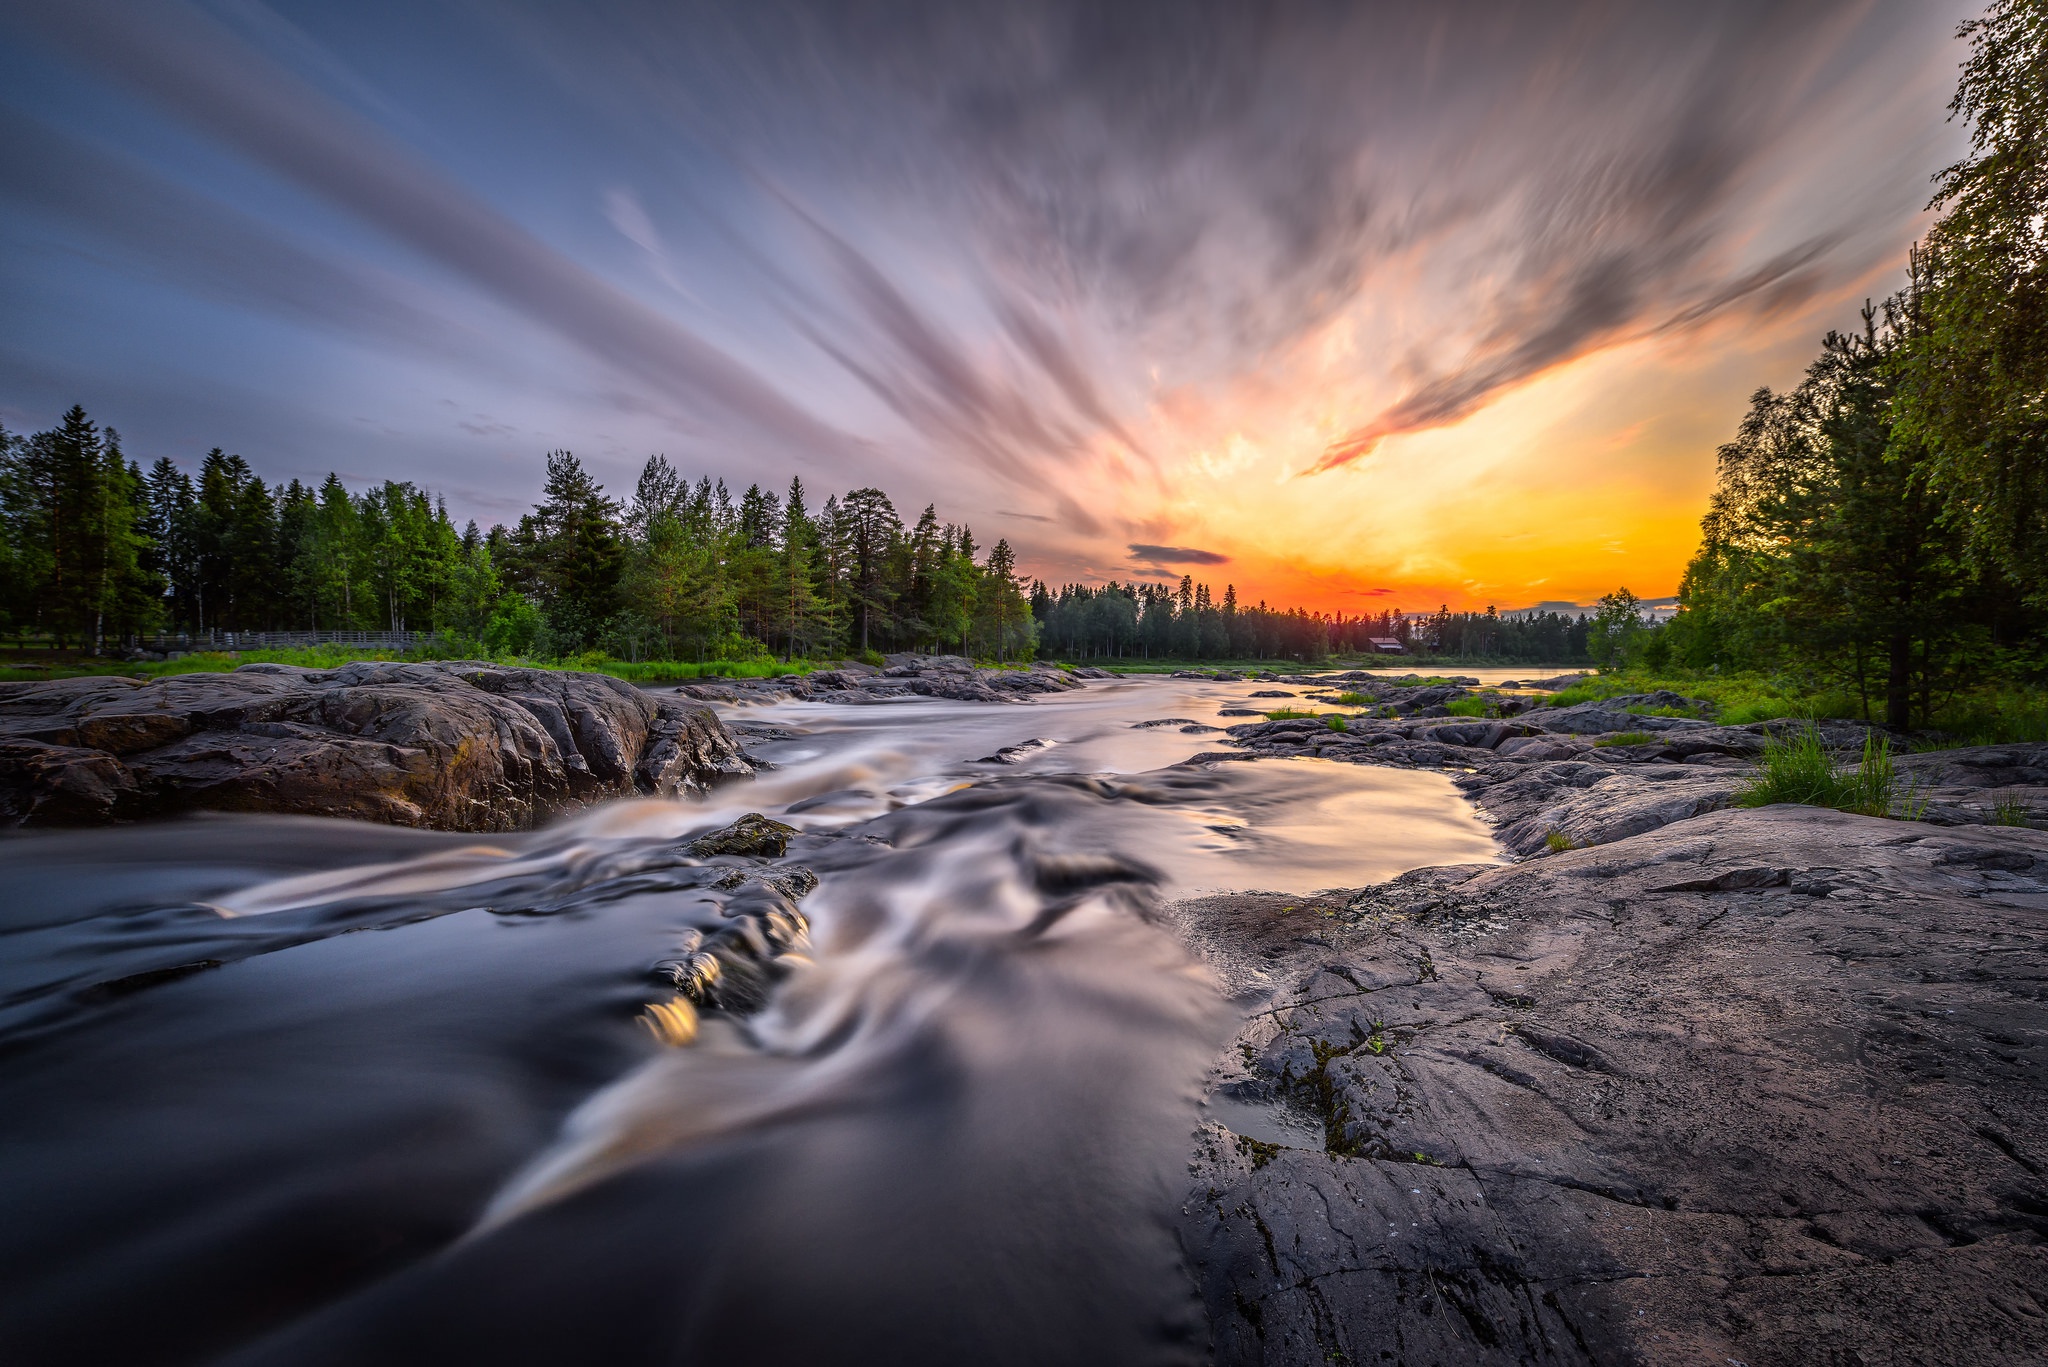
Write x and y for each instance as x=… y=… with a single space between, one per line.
x=1272 y=693
x=450 y=746
x=1018 y=753
x=933 y=676
x=1601 y=718
x=1764 y=1086
x=753 y=835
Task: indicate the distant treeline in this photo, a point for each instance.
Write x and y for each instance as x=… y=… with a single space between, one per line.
x=95 y=549
x=1130 y=621
x=1883 y=527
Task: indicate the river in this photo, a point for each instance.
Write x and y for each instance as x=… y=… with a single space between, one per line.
x=282 y=1090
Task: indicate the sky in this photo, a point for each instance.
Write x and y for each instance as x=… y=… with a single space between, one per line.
x=1351 y=305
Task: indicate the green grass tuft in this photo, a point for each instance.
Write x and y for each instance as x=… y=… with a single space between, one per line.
x=2010 y=809
x=1800 y=770
x=1626 y=738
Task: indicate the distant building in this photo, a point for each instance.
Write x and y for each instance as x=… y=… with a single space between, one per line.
x=1386 y=645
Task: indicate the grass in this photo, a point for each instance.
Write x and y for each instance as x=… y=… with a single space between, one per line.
x=333 y=657
x=2010 y=809
x=1290 y=714
x=1557 y=842
x=1800 y=769
x=1339 y=724
x=1470 y=707
x=1625 y=738
x=1994 y=714
x=1352 y=700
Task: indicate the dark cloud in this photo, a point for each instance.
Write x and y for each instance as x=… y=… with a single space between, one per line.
x=1176 y=555
x=177 y=57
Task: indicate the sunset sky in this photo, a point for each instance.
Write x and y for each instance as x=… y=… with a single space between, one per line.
x=1351 y=305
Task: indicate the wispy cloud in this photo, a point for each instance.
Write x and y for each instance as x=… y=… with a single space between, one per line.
x=1176 y=555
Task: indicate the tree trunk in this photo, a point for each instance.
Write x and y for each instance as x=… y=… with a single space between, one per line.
x=1898 y=687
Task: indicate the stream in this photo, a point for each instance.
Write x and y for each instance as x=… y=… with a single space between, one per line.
x=285 y=1090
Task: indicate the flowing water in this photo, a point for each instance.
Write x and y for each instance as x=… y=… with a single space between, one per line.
x=281 y=1090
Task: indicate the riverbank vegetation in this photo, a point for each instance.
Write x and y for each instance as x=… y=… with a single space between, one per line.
x=1879 y=534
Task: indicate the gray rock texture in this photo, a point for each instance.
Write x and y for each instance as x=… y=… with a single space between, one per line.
x=932 y=676
x=1762 y=1086
x=450 y=746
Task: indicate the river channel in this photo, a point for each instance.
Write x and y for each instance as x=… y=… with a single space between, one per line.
x=283 y=1090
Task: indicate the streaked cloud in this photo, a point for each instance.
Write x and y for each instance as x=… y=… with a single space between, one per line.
x=1373 y=301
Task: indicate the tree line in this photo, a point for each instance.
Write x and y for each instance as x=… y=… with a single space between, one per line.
x=1883 y=526
x=1160 y=621
x=93 y=548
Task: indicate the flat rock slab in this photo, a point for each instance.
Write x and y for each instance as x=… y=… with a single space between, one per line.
x=1766 y=1086
x=450 y=746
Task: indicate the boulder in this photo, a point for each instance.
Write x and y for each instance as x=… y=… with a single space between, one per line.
x=448 y=746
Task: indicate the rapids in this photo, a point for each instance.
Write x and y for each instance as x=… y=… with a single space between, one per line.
x=281 y=1090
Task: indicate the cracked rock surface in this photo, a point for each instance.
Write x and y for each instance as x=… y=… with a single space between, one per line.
x=1764 y=1086
x=448 y=746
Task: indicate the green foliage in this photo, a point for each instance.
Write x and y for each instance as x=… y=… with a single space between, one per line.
x=1800 y=769
x=1472 y=707
x=1971 y=381
x=1626 y=738
x=1557 y=842
x=1351 y=700
x=1338 y=724
x=1881 y=531
x=1289 y=714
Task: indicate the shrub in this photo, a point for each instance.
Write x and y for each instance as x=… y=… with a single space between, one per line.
x=1799 y=769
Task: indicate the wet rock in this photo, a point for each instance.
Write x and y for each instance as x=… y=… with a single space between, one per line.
x=753 y=835
x=451 y=746
x=1018 y=753
x=1764 y=1086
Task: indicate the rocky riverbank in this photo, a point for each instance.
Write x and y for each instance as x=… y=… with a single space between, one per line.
x=1761 y=1086
x=447 y=746
x=1598 y=772
x=901 y=676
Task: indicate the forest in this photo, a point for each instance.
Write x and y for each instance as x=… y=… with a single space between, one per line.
x=1882 y=527
x=96 y=549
